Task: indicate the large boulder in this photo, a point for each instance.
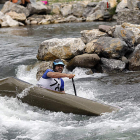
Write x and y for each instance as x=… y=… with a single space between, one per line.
x=43 y=66
x=134 y=60
x=135 y=29
x=60 y=48
x=83 y=61
x=78 y=9
x=10 y=6
x=38 y=8
x=132 y=4
x=95 y=16
x=126 y=35
x=17 y=16
x=56 y=8
x=89 y=35
x=127 y=15
x=7 y=21
x=121 y=6
x=89 y=7
x=112 y=65
x=66 y=10
x=90 y=11
x=108 y=47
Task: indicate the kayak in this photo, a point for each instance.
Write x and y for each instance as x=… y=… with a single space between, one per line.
x=51 y=100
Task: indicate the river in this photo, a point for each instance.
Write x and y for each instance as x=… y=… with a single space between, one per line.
x=19 y=121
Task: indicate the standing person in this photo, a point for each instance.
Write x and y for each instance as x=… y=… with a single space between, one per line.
x=23 y=2
x=14 y=1
x=52 y=79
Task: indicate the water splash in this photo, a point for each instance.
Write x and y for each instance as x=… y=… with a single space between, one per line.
x=27 y=73
x=25 y=92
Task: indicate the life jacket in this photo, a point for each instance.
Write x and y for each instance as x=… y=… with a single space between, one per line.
x=50 y=83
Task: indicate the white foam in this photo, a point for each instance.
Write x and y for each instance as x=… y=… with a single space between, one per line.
x=24 y=74
x=37 y=124
x=25 y=92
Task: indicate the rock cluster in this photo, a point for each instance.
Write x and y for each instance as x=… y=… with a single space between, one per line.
x=37 y=13
x=107 y=49
x=128 y=11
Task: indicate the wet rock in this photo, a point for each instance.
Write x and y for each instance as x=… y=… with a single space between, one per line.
x=132 y=4
x=92 y=4
x=7 y=21
x=89 y=35
x=36 y=17
x=91 y=10
x=9 y=6
x=126 y=35
x=45 y=21
x=17 y=16
x=91 y=47
x=104 y=28
x=38 y=8
x=138 y=4
x=95 y=16
x=110 y=32
x=89 y=7
x=127 y=15
x=78 y=9
x=83 y=61
x=71 y=18
x=112 y=65
x=110 y=47
x=60 y=48
x=66 y=10
x=135 y=29
x=43 y=66
x=134 y=60
x=56 y=8
x=124 y=59
x=121 y=6
x=33 y=22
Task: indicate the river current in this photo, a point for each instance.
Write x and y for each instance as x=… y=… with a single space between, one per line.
x=19 y=121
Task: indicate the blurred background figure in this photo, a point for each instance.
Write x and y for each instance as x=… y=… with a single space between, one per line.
x=14 y=1
x=45 y=2
x=23 y=2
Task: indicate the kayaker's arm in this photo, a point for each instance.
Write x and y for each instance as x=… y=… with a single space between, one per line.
x=59 y=75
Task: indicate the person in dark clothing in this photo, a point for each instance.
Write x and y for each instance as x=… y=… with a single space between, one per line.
x=23 y=2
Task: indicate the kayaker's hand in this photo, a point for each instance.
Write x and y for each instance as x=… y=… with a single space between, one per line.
x=70 y=76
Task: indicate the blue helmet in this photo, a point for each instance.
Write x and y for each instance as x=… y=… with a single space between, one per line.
x=57 y=62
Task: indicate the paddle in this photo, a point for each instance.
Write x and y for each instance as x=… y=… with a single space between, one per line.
x=74 y=86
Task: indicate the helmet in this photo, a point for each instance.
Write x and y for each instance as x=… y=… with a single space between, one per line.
x=57 y=62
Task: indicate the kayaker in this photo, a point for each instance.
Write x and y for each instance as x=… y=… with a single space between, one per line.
x=52 y=79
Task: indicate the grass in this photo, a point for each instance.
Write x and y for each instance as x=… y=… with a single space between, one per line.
x=66 y=1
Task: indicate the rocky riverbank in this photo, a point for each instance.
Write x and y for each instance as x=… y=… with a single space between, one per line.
x=36 y=13
x=107 y=49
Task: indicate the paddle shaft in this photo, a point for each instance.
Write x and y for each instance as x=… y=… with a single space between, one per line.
x=74 y=87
